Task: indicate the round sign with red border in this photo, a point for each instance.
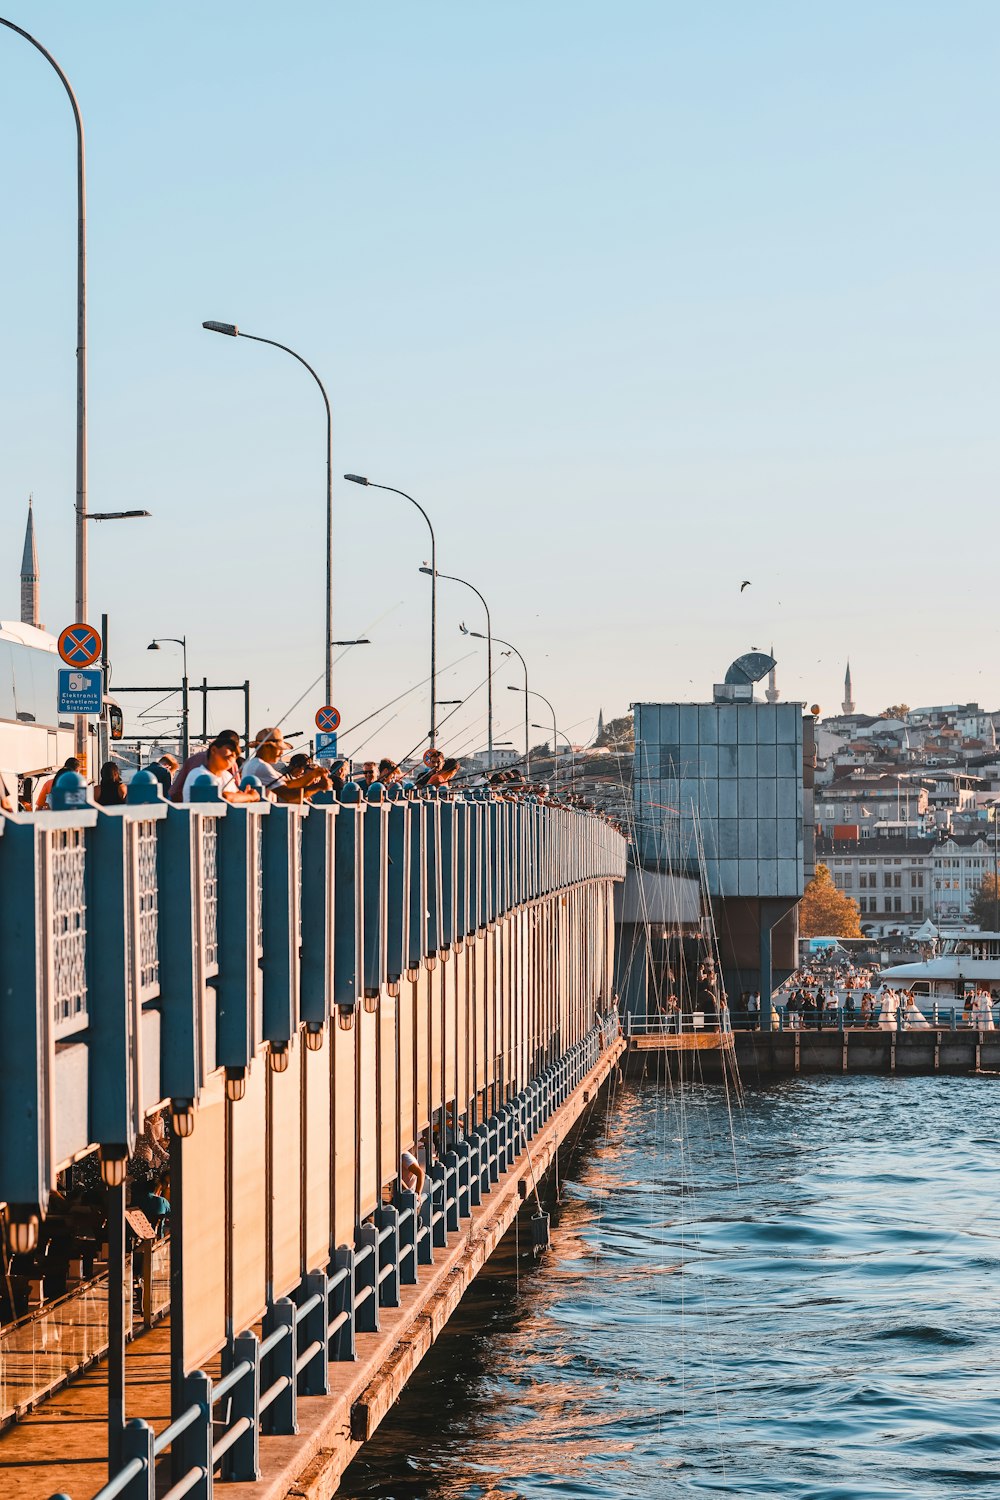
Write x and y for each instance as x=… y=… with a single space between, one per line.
x=79 y=645
x=328 y=719
x=428 y=754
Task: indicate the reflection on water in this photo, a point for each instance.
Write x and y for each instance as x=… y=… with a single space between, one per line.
x=807 y=1305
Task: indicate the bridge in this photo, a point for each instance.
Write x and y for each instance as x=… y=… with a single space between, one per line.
x=307 y=994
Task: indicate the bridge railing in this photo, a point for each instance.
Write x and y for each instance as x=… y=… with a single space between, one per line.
x=217 y=1433
x=145 y=947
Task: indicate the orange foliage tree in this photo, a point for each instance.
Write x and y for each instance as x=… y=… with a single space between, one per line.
x=826 y=912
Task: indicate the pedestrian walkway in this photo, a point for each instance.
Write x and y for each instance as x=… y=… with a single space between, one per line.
x=62 y=1446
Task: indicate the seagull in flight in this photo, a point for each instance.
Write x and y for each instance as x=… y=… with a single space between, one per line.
x=744 y=585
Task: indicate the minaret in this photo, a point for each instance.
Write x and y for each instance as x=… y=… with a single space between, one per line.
x=772 y=695
x=600 y=727
x=848 y=703
x=29 y=574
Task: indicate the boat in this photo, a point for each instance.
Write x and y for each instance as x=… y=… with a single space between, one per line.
x=964 y=961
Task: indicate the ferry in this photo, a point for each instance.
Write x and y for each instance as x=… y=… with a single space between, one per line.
x=965 y=961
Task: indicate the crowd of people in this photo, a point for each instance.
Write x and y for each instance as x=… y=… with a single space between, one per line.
x=271 y=770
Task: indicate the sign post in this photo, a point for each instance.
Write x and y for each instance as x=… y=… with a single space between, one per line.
x=81 y=692
x=80 y=647
x=327 y=724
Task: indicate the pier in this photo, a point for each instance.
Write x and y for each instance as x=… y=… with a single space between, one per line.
x=308 y=994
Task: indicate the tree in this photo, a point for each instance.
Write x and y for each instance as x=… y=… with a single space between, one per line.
x=984 y=907
x=895 y=711
x=826 y=912
x=619 y=734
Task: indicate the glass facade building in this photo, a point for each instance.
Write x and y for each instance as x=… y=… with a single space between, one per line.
x=718 y=792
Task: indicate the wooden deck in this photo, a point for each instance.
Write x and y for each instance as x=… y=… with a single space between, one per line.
x=687 y=1041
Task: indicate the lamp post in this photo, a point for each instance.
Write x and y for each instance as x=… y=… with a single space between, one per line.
x=391 y=489
x=489 y=658
x=478 y=636
x=232 y=331
x=569 y=747
x=533 y=693
x=179 y=640
x=80 y=722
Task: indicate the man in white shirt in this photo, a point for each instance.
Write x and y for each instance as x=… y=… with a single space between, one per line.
x=220 y=765
x=269 y=768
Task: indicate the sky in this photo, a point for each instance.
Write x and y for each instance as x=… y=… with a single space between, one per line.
x=638 y=299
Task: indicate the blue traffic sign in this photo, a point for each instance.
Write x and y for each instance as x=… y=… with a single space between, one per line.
x=81 y=690
x=326 y=747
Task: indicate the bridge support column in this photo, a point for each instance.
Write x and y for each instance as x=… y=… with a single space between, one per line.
x=771 y=911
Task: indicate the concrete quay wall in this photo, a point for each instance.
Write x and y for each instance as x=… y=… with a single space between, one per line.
x=760 y=1056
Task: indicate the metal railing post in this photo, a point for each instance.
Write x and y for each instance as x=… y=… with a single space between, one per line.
x=438 y=1178
x=195 y=1444
x=408 y=1224
x=366 y=1279
x=137 y=1442
x=278 y=1369
x=242 y=1462
x=341 y=1322
x=387 y=1222
x=313 y=1328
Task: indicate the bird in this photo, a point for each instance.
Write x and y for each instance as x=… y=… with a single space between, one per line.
x=744 y=585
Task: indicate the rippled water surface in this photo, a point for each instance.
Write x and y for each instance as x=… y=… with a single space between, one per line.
x=805 y=1305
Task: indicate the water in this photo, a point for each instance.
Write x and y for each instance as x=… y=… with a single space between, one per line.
x=808 y=1307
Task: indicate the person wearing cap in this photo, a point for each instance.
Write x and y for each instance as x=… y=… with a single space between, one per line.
x=266 y=762
x=272 y=772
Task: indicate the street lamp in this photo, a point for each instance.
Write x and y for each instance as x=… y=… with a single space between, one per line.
x=370 y=483
x=477 y=635
x=178 y=640
x=489 y=657
x=116 y=515
x=80 y=725
x=533 y=693
x=232 y=331
x=569 y=747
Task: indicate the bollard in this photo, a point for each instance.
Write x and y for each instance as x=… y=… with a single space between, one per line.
x=314 y=1377
x=341 y=1316
x=242 y=1462
x=278 y=1382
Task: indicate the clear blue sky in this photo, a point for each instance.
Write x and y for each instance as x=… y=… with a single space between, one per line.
x=638 y=298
